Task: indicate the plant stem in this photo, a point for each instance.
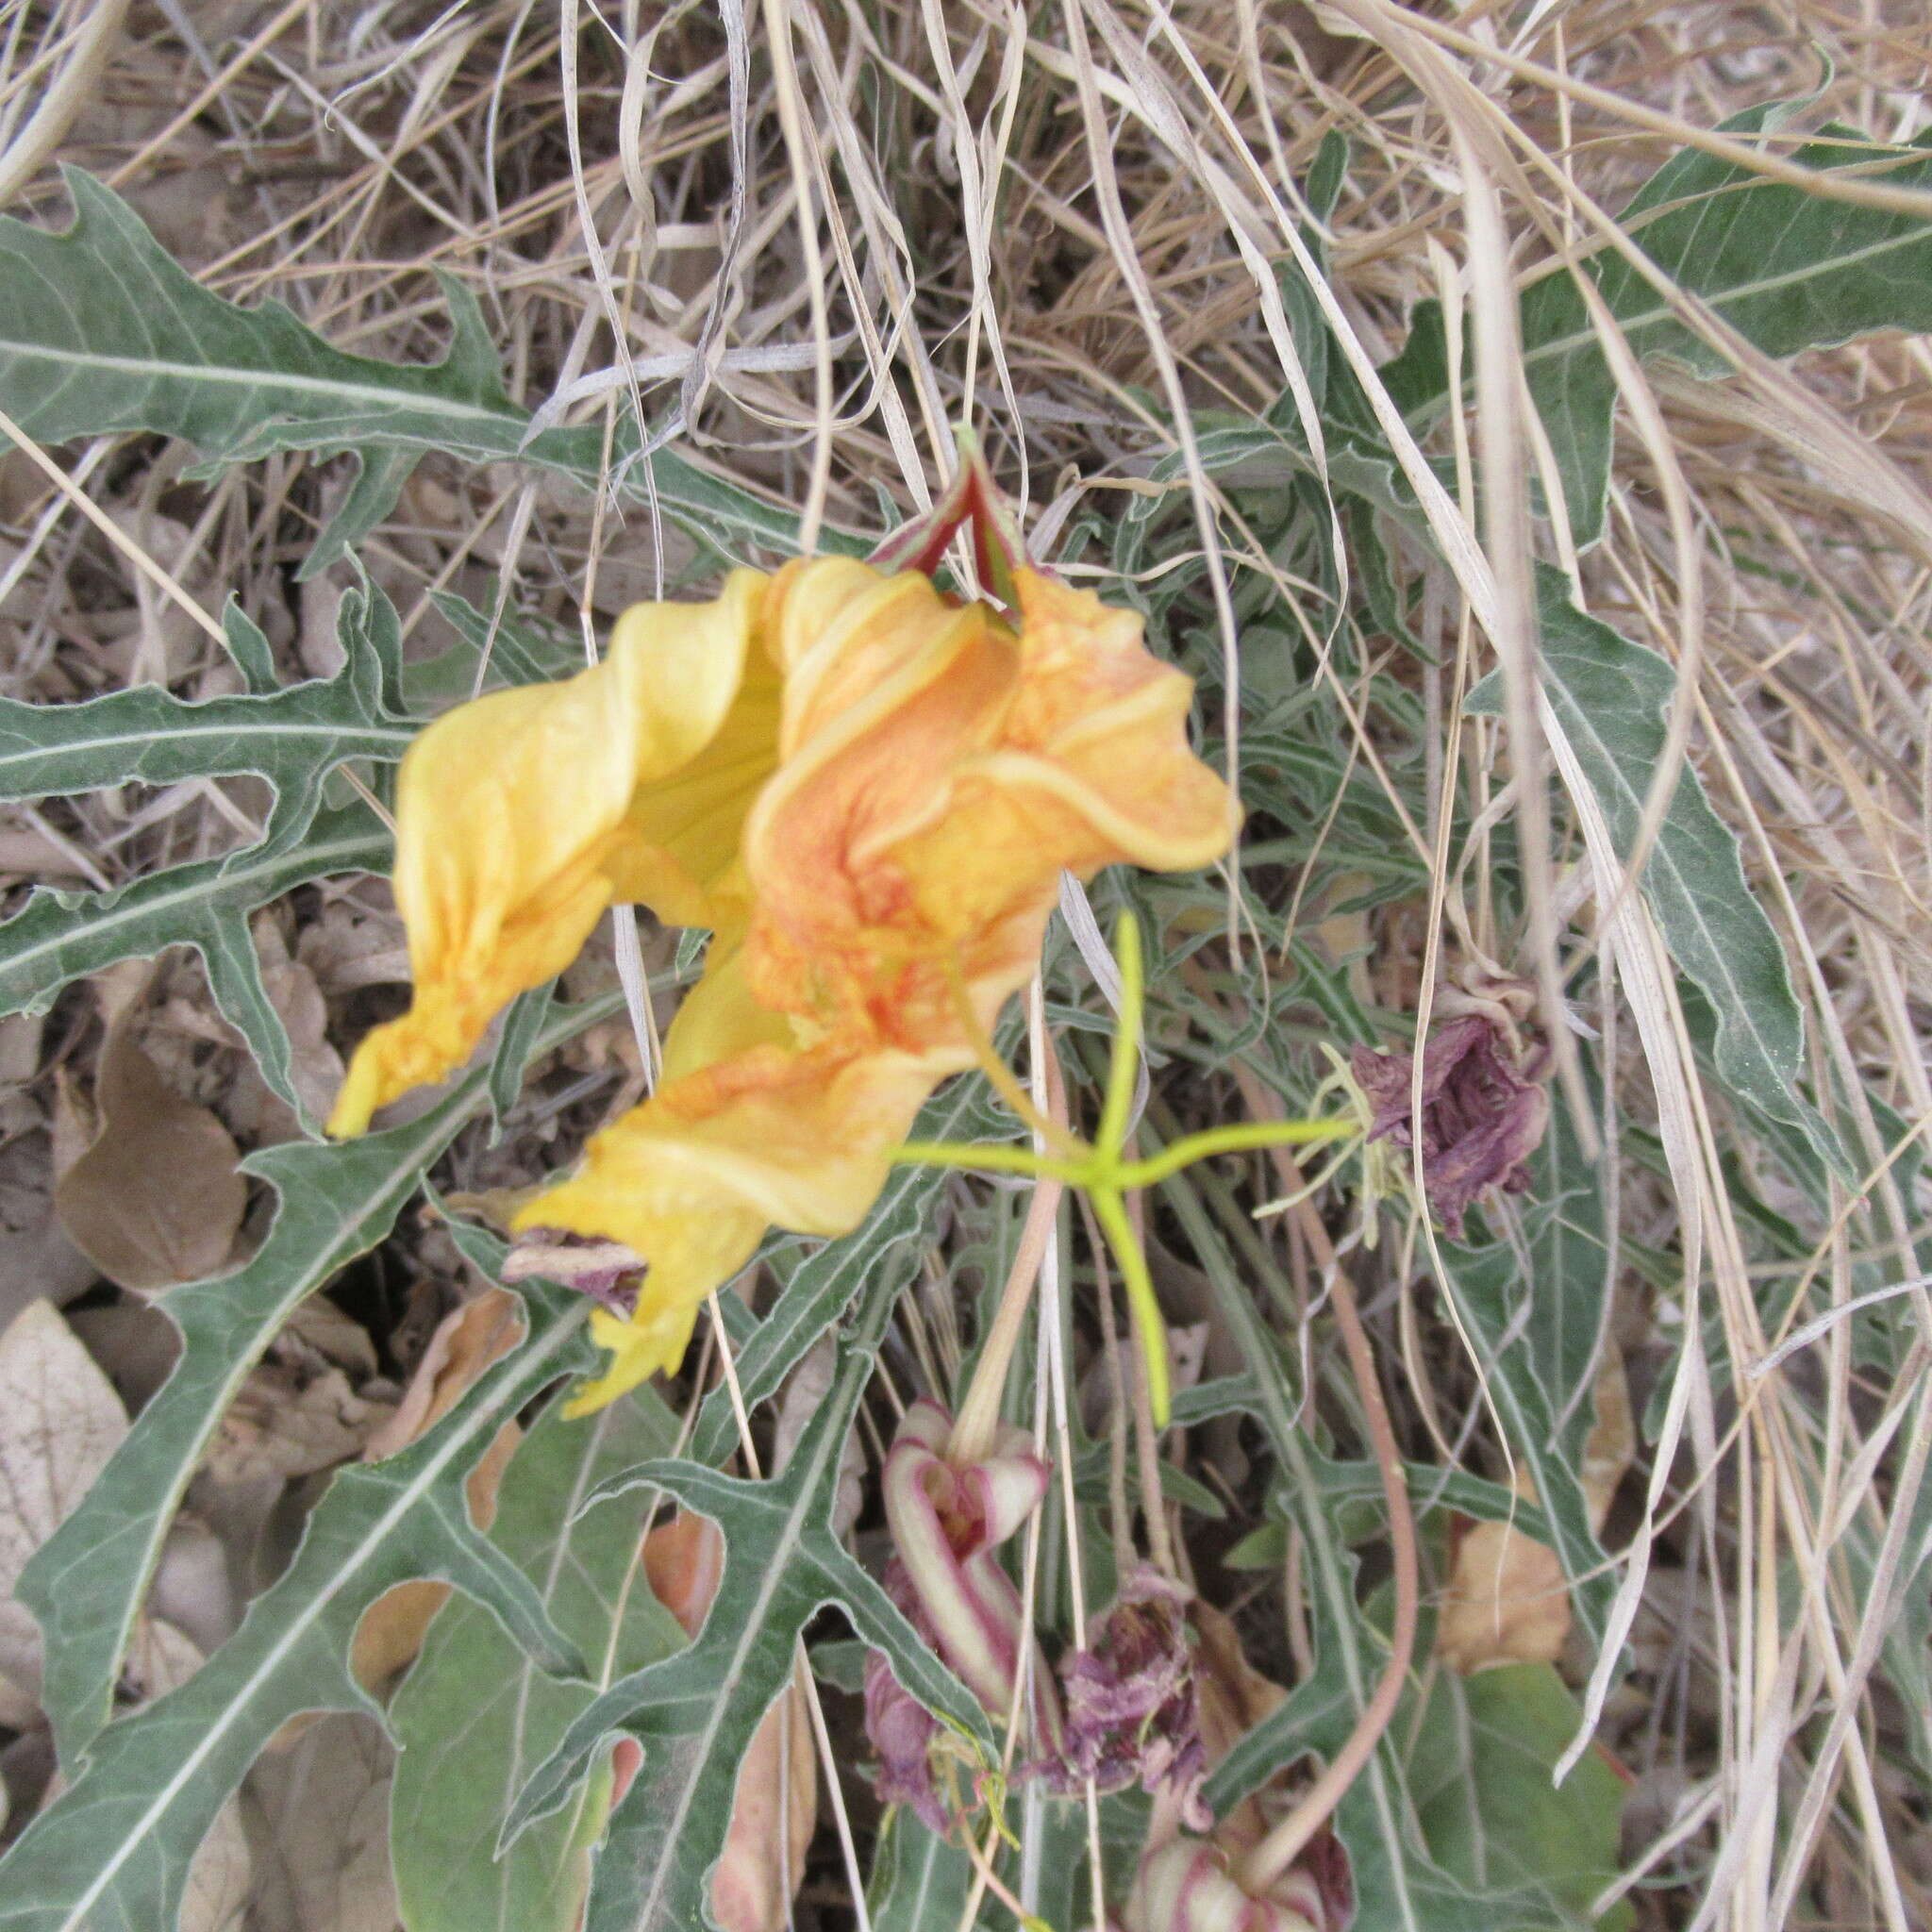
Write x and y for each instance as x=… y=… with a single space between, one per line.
x=977 y=1421
x=1269 y=1860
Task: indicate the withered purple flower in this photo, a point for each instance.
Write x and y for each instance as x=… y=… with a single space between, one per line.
x=1484 y=1107
x=1133 y=1715
x=902 y=1730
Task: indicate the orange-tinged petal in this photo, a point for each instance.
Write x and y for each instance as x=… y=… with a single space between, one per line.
x=1092 y=767
x=522 y=815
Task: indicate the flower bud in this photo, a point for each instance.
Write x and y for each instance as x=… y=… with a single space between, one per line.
x=947 y=1521
x=1187 y=1885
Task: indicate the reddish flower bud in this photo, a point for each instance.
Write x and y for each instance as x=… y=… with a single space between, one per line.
x=946 y=1521
x=1187 y=1885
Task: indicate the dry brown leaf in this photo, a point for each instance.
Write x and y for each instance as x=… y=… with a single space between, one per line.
x=320 y=1815
x=471 y=1337
x=18 y=1713
x=291 y=1419
x=1507 y=1600
x=772 y=1815
x=158 y=1197
x=59 y=1421
x=132 y=1339
x=260 y=1114
x=299 y=1411
x=1234 y=1698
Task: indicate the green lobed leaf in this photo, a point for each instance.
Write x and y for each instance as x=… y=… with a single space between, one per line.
x=476 y=1714
x=58 y=937
x=696 y=1712
x=1611 y=696
x=293 y=738
x=101 y=330
x=1787 y=268
x=337 y=1201
x=111 y=1853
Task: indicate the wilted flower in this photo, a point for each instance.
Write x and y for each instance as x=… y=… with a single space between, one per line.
x=1483 y=1103
x=946 y=1521
x=1191 y=1885
x=868 y=789
x=902 y=1730
x=1132 y=1711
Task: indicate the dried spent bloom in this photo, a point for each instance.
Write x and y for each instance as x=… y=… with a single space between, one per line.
x=946 y=1522
x=1132 y=1710
x=1190 y=1885
x=901 y=1729
x=1483 y=1103
x=868 y=790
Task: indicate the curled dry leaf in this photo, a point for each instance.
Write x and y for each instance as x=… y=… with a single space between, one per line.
x=59 y=1421
x=158 y=1197
x=1507 y=1600
x=297 y=1411
x=321 y=1836
x=471 y=1337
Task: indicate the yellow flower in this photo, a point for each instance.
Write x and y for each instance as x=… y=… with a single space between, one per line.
x=868 y=789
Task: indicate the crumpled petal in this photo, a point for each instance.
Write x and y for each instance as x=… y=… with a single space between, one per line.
x=1132 y=1711
x=518 y=822
x=1484 y=1109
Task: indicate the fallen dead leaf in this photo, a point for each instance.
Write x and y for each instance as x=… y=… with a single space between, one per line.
x=1507 y=1600
x=133 y=1340
x=299 y=1411
x=289 y=1419
x=480 y=1332
x=159 y=1195
x=59 y=1421
x=257 y=1112
x=320 y=1819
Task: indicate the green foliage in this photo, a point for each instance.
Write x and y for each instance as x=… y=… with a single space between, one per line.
x=1786 y=269
x=696 y=1712
x=920 y=1883
x=1480 y=1778
x=111 y=1852
x=1610 y=697
x=86 y=1583
x=477 y=1715
x=100 y=330
x=59 y=937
